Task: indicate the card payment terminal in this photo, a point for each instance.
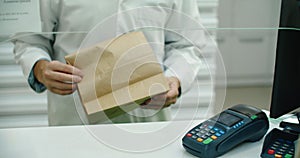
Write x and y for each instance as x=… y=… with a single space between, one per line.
x=226 y=130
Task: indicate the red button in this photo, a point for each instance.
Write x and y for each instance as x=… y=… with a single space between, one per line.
x=271 y=152
x=189 y=135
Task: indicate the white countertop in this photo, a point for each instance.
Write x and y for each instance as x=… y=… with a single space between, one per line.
x=163 y=140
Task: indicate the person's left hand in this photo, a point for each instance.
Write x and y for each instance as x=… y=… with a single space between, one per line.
x=165 y=99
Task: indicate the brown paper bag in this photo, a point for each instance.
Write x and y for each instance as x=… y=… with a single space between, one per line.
x=120 y=74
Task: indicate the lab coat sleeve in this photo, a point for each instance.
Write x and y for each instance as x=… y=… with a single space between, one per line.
x=184 y=40
x=32 y=47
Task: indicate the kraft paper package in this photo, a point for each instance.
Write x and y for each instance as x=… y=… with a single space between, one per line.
x=119 y=75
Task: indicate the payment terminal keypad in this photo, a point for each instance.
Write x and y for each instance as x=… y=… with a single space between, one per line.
x=280 y=148
x=206 y=133
x=279 y=144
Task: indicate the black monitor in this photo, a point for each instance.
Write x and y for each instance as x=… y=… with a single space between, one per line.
x=286 y=84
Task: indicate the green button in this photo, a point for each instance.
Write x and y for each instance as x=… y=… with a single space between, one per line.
x=288 y=156
x=207 y=141
x=253 y=117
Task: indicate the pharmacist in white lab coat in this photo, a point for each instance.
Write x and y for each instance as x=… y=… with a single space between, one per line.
x=42 y=55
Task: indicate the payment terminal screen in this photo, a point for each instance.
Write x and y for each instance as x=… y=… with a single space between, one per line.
x=228 y=119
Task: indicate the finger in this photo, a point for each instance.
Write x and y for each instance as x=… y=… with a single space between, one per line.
x=61 y=92
x=173 y=85
x=146 y=102
x=62 y=85
x=151 y=107
x=174 y=82
x=172 y=93
x=165 y=102
x=58 y=66
x=153 y=104
x=62 y=77
x=171 y=101
x=159 y=97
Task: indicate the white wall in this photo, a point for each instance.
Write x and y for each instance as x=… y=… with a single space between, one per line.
x=248 y=44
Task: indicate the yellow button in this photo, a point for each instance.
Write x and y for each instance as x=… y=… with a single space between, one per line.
x=278 y=156
x=214 y=137
x=199 y=140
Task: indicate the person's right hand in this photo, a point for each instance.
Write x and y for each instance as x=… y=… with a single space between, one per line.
x=58 y=77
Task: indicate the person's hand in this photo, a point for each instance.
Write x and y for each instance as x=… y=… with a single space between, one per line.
x=58 y=77
x=165 y=99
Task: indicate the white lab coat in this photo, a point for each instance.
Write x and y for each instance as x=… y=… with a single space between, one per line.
x=74 y=19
